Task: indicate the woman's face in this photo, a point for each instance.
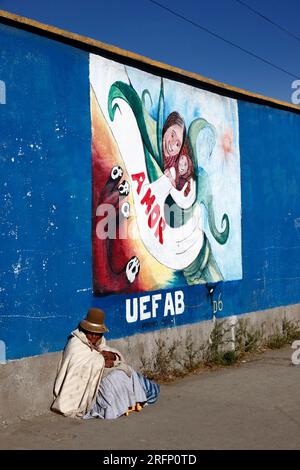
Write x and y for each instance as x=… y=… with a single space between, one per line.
x=183 y=165
x=93 y=337
x=172 y=140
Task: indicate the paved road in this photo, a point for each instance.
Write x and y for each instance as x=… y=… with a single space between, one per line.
x=253 y=406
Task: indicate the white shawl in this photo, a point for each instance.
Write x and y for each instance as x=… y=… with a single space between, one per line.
x=79 y=374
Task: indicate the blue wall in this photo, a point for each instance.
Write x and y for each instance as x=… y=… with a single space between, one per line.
x=45 y=194
x=45 y=191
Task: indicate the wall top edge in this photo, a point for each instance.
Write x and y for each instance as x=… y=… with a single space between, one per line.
x=131 y=58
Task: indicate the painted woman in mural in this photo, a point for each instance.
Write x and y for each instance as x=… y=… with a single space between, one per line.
x=173 y=178
x=181 y=173
x=173 y=137
x=177 y=163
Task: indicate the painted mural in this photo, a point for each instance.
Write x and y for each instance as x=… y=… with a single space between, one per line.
x=166 y=186
x=156 y=214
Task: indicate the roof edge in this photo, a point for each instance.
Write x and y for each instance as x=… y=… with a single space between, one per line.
x=114 y=52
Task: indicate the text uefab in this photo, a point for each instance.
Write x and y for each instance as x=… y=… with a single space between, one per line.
x=146 y=306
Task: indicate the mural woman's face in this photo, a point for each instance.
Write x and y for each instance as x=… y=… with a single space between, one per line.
x=183 y=165
x=172 y=140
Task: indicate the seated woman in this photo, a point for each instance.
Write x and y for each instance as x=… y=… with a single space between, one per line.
x=93 y=380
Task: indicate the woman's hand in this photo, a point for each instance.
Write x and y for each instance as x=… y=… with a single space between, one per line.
x=109 y=358
x=109 y=363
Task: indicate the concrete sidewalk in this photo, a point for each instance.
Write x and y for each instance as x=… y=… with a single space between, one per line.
x=252 y=406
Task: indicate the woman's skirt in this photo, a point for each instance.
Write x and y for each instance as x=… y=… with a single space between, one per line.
x=118 y=392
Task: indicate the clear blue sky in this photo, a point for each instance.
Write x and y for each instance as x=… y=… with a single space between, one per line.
x=142 y=27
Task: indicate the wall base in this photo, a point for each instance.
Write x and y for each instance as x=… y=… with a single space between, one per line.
x=27 y=384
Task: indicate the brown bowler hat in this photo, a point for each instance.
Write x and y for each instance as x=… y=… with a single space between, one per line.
x=94 y=321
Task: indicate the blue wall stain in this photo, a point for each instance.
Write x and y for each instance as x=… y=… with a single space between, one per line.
x=45 y=197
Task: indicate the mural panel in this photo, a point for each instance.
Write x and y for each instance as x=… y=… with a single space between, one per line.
x=166 y=182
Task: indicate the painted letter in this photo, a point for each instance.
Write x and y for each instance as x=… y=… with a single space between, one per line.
x=139 y=178
x=159 y=230
x=155 y=298
x=154 y=216
x=144 y=315
x=132 y=317
x=179 y=302
x=148 y=200
x=169 y=306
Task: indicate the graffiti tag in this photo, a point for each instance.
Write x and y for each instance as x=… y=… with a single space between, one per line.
x=217 y=305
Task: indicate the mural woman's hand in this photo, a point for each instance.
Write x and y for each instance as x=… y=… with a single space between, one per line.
x=185 y=202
